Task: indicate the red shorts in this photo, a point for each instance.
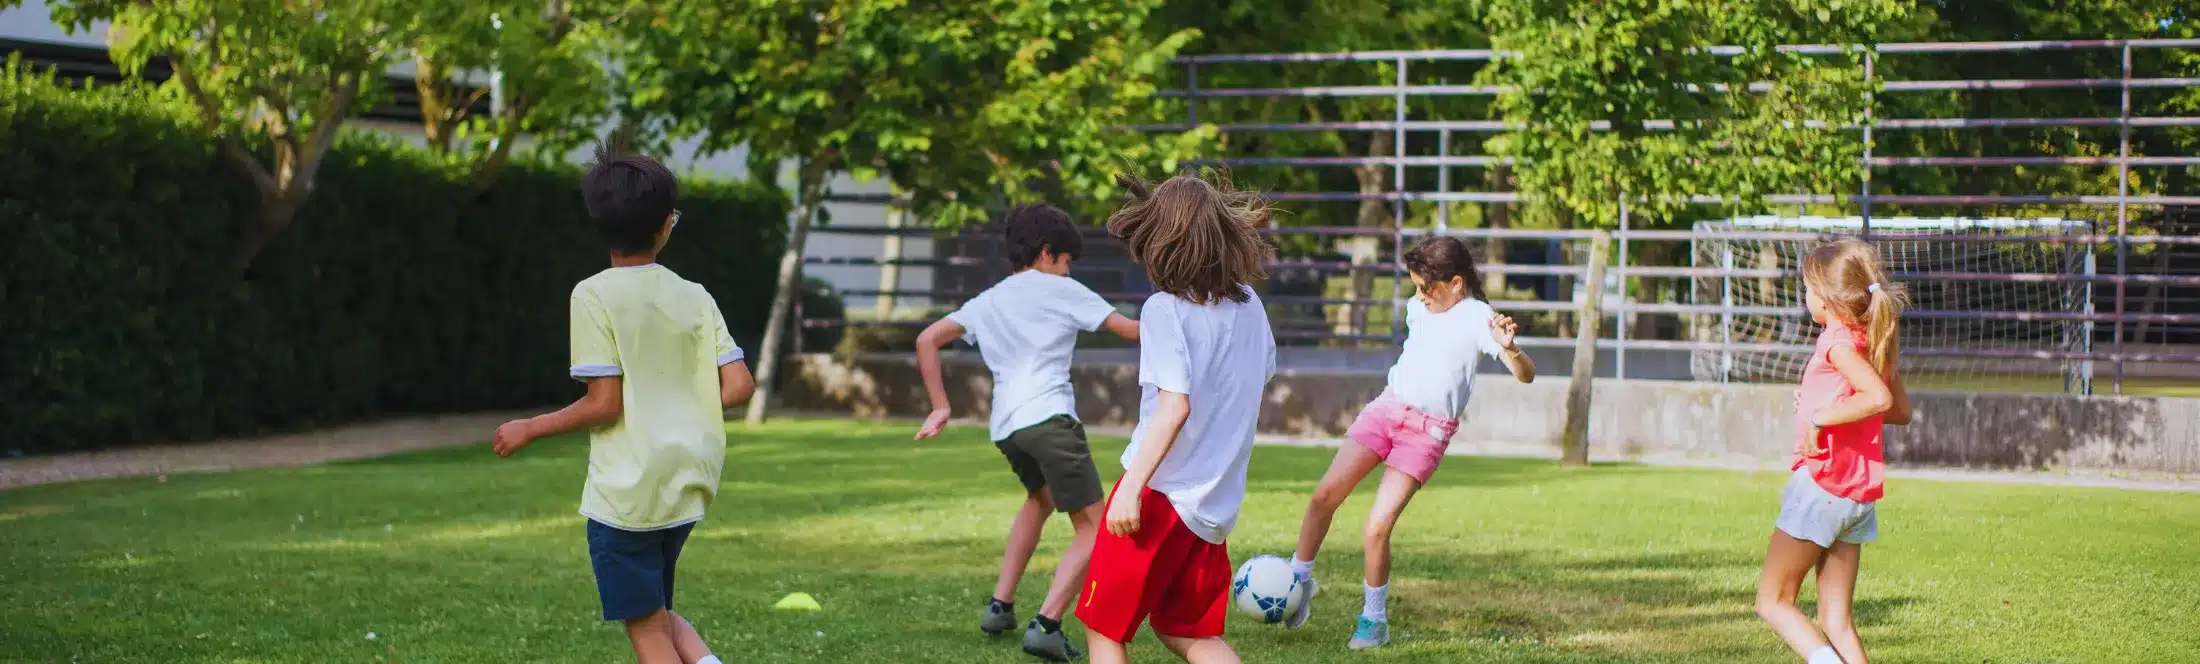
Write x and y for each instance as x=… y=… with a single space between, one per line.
x=1163 y=574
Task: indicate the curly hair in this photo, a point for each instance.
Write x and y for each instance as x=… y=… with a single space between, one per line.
x=1199 y=240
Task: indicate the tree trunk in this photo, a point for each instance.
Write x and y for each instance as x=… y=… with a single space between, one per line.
x=1574 y=445
x=1364 y=251
x=788 y=288
x=890 y=253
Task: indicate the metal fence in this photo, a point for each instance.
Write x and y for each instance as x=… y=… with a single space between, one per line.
x=2114 y=318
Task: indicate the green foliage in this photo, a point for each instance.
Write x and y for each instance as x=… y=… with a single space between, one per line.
x=547 y=58
x=402 y=292
x=1632 y=63
x=965 y=105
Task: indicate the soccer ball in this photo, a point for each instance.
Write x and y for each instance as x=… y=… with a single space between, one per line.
x=1266 y=589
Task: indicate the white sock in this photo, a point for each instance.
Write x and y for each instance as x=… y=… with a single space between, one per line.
x=709 y=659
x=1373 y=609
x=1824 y=655
x=1303 y=568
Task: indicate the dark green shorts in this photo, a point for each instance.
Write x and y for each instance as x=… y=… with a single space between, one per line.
x=1053 y=455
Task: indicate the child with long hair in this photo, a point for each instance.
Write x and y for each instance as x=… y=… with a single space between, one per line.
x=1450 y=325
x=1205 y=354
x=1851 y=388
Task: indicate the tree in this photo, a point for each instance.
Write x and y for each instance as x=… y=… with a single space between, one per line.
x=1628 y=99
x=965 y=105
x=1256 y=26
x=539 y=64
x=291 y=71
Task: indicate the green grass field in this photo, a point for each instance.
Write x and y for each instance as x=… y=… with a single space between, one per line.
x=457 y=556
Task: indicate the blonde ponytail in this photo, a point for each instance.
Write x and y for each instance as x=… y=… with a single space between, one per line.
x=1883 y=318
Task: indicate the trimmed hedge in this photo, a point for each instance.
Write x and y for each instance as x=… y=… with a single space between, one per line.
x=393 y=291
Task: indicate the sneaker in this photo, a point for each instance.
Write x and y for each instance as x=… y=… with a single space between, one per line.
x=1051 y=646
x=999 y=617
x=1305 y=608
x=1369 y=634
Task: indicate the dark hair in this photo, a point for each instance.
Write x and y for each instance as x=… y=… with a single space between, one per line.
x=628 y=196
x=1440 y=259
x=1030 y=228
x=1198 y=240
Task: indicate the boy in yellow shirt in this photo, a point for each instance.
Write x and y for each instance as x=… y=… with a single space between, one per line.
x=661 y=370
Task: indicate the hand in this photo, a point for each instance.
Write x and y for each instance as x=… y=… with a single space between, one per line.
x=511 y=437
x=1815 y=443
x=932 y=424
x=1502 y=330
x=1123 y=513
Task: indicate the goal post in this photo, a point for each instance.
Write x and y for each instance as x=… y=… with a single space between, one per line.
x=1993 y=301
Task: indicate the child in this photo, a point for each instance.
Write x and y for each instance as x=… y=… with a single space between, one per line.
x=1450 y=325
x=1850 y=389
x=661 y=370
x=1026 y=328
x=1205 y=355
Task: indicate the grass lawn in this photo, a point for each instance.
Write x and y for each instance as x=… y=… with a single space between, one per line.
x=457 y=556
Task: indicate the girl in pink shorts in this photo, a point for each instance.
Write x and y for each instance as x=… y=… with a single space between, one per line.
x=1450 y=326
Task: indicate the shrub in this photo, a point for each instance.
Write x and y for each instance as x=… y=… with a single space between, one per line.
x=395 y=291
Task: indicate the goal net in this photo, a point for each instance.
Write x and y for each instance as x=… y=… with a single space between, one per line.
x=1982 y=286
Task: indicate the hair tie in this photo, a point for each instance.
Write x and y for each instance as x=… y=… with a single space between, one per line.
x=1873 y=289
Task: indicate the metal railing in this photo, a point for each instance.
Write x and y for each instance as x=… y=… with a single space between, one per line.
x=1401 y=194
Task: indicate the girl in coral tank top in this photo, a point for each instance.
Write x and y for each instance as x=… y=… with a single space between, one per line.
x=1850 y=391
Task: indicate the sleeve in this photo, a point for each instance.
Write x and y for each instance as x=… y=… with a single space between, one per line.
x=1086 y=308
x=728 y=351
x=1164 y=361
x=595 y=353
x=971 y=319
x=1841 y=334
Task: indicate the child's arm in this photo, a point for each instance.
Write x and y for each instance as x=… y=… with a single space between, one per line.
x=1122 y=326
x=928 y=365
x=735 y=385
x=1169 y=412
x=601 y=406
x=1872 y=396
x=1502 y=331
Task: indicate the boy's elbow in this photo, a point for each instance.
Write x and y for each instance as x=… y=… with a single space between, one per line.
x=736 y=394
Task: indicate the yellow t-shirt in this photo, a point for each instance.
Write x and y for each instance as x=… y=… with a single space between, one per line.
x=657 y=466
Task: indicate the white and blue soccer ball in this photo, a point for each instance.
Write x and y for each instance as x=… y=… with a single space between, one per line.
x=1265 y=588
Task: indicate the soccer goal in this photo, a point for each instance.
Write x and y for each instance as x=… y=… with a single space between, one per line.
x=1988 y=300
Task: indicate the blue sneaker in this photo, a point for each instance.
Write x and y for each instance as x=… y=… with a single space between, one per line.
x=1369 y=634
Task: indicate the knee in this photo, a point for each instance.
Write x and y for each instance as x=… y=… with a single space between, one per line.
x=1378 y=532
x=1770 y=606
x=1328 y=496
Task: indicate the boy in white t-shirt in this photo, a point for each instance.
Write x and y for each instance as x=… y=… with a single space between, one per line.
x=1026 y=329
x=1205 y=356
x=1449 y=326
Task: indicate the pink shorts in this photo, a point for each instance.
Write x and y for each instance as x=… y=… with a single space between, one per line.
x=1404 y=437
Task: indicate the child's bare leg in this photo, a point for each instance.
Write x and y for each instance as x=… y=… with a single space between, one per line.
x=1787 y=561
x=1071 y=572
x=1210 y=650
x=685 y=639
x=1836 y=589
x=1391 y=498
x=652 y=637
x=1023 y=538
x=1345 y=472
x=1103 y=650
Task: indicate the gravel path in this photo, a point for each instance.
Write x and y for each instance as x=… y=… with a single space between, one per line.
x=290 y=450
x=421 y=433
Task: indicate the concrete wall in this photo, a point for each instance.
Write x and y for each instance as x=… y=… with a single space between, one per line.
x=1633 y=419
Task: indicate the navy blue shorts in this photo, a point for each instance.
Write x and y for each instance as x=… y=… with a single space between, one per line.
x=634 y=568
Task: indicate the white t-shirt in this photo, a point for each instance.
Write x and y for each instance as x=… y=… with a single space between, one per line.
x=1026 y=330
x=1435 y=373
x=1220 y=356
